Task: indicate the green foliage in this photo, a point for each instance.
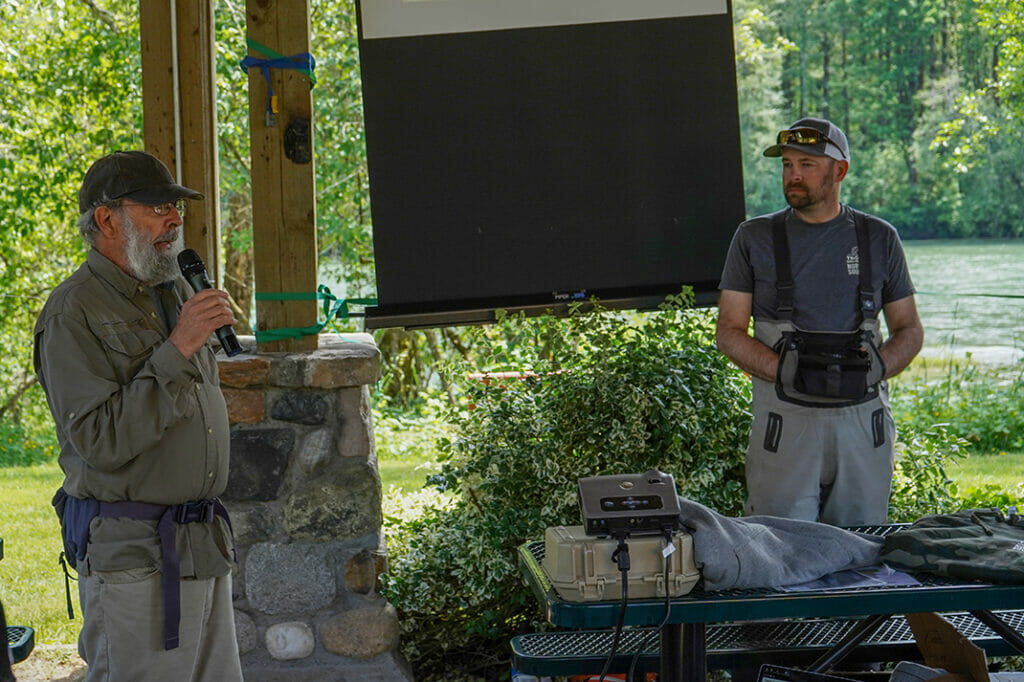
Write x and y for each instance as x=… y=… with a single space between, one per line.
x=992 y=495
x=760 y=50
x=932 y=130
x=984 y=131
x=593 y=394
x=404 y=440
x=978 y=404
x=921 y=485
x=20 y=446
x=343 y=188
x=71 y=91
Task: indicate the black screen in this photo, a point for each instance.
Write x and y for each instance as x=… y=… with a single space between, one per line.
x=530 y=166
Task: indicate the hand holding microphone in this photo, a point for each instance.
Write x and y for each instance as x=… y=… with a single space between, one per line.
x=206 y=307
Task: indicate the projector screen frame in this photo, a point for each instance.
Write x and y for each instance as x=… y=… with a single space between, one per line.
x=554 y=296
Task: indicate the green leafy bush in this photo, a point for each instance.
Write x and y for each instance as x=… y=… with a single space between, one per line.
x=920 y=483
x=992 y=496
x=980 y=404
x=22 y=446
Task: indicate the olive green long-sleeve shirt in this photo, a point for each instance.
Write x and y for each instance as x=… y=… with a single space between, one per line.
x=135 y=419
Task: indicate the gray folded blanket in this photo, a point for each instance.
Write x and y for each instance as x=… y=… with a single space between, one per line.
x=768 y=551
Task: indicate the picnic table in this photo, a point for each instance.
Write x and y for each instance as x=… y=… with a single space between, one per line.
x=683 y=641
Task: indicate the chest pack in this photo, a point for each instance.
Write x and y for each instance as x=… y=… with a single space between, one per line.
x=831 y=369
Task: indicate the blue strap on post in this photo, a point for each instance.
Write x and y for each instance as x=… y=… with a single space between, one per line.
x=301 y=62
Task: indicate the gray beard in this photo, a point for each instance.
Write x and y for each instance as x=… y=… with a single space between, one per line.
x=145 y=262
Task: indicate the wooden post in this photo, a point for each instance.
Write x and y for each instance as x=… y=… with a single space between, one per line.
x=283 y=200
x=179 y=113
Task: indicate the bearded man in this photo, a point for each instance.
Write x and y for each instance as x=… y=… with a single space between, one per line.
x=124 y=352
x=814 y=277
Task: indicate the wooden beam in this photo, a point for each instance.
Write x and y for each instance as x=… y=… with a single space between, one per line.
x=179 y=114
x=283 y=184
x=197 y=74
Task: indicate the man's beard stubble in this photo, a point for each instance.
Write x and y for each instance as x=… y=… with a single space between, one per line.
x=810 y=196
x=146 y=263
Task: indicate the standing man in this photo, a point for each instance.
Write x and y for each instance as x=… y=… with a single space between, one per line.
x=123 y=353
x=814 y=277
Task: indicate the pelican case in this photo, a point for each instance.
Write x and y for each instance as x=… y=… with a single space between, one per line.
x=580 y=566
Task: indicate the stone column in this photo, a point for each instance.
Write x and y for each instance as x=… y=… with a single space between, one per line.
x=305 y=500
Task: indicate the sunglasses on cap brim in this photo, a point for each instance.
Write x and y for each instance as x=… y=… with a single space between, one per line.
x=806 y=136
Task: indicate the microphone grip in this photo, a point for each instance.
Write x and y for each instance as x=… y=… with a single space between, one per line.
x=228 y=341
x=226 y=335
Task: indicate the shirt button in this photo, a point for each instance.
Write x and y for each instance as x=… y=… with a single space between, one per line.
x=210 y=475
x=209 y=430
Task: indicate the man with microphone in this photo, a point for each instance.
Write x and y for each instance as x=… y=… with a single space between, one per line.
x=124 y=352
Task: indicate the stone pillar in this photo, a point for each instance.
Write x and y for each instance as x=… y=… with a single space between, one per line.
x=305 y=500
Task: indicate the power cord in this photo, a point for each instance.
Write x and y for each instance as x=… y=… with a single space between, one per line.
x=621 y=557
x=667 y=552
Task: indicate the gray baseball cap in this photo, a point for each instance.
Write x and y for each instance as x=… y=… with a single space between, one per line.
x=815 y=136
x=134 y=175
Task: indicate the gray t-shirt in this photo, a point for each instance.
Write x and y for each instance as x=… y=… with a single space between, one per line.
x=826 y=269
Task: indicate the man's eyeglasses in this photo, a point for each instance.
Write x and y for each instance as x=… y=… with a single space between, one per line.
x=806 y=136
x=181 y=206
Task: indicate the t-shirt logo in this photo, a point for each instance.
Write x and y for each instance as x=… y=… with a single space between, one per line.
x=853 y=262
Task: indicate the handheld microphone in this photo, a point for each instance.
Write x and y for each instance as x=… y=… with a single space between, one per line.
x=195 y=272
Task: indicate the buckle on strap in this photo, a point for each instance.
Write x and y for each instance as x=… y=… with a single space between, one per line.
x=200 y=511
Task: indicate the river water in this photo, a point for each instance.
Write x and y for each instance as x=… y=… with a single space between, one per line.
x=965 y=296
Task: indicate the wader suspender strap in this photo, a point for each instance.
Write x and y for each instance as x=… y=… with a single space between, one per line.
x=784 y=268
x=202 y=511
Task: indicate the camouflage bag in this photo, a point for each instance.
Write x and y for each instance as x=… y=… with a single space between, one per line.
x=972 y=544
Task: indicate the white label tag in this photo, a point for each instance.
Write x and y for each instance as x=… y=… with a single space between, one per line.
x=668 y=549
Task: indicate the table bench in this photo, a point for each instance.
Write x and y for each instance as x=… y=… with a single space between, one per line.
x=20 y=641
x=744 y=645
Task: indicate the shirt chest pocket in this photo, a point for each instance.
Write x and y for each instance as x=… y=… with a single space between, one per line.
x=129 y=344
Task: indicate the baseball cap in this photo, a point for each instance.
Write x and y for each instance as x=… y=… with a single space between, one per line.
x=815 y=136
x=134 y=175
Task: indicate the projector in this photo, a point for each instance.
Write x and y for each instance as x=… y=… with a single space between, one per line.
x=629 y=504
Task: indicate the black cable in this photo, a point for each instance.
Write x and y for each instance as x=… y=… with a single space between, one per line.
x=621 y=557
x=668 y=610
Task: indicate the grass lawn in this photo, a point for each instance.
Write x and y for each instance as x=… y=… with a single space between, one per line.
x=31 y=579
x=1006 y=471
x=407 y=475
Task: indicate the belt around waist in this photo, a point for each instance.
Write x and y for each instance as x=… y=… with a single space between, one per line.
x=167 y=516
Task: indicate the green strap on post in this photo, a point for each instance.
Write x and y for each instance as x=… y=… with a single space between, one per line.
x=333 y=308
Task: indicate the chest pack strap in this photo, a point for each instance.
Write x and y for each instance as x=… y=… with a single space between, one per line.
x=167 y=517
x=784 y=284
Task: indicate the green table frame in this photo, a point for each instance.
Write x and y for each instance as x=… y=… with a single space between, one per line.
x=683 y=639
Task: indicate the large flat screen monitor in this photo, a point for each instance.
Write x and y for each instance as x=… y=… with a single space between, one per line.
x=526 y=153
